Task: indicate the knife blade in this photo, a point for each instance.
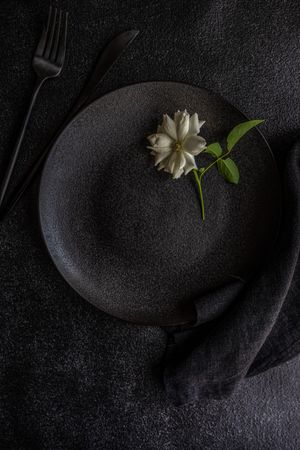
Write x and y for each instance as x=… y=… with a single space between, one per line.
x=106 y=60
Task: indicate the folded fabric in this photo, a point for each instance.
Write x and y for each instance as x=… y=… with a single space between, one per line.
x=242 y=328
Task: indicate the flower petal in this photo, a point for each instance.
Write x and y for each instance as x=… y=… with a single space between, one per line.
x=183 y=126
x=157 y=149
x=152 y=139
x=190 y=163
x=161 y=151
x=162 y=164
x=159 y=157
x=169 y=127
x=169 y=167
x=179 y=165
x=195 y=125
x=178 y=174
x=160 y=140
x=194 y=144
x=178 y=116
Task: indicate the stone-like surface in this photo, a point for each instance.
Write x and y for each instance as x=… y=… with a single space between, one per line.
x=71 y=376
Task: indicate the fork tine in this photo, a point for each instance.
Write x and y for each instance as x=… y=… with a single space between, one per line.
x=63 y=41
x=41 y=45
x=49 y=17
x=56 y=40
x=50 y=35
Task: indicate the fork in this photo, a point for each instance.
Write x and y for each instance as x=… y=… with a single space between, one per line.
x=47 y=63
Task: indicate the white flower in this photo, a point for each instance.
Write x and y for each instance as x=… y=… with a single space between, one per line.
x=176 y=143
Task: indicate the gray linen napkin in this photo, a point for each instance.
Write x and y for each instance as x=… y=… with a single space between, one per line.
x=260 y=327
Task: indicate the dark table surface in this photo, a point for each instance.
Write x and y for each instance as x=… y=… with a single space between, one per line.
x=70 y=375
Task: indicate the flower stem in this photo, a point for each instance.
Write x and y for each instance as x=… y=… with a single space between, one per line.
x=198 y=181
x=213 y=163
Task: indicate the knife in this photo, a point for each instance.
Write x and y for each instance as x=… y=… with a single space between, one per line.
x=105 y=61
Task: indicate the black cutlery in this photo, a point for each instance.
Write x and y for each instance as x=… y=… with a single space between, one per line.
x=47 y=63
x=106 y=59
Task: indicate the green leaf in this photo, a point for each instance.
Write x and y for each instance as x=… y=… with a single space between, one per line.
x=239 y=131
x=214 y=150
x=229 y=170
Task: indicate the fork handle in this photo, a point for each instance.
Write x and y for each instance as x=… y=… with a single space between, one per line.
x=16 y=149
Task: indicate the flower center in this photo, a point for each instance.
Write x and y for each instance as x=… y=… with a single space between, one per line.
x=178 y=146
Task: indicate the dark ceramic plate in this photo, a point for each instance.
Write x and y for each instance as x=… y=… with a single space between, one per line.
x=128 y=238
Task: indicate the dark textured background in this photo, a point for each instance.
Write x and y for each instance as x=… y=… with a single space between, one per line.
x=71 y=376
